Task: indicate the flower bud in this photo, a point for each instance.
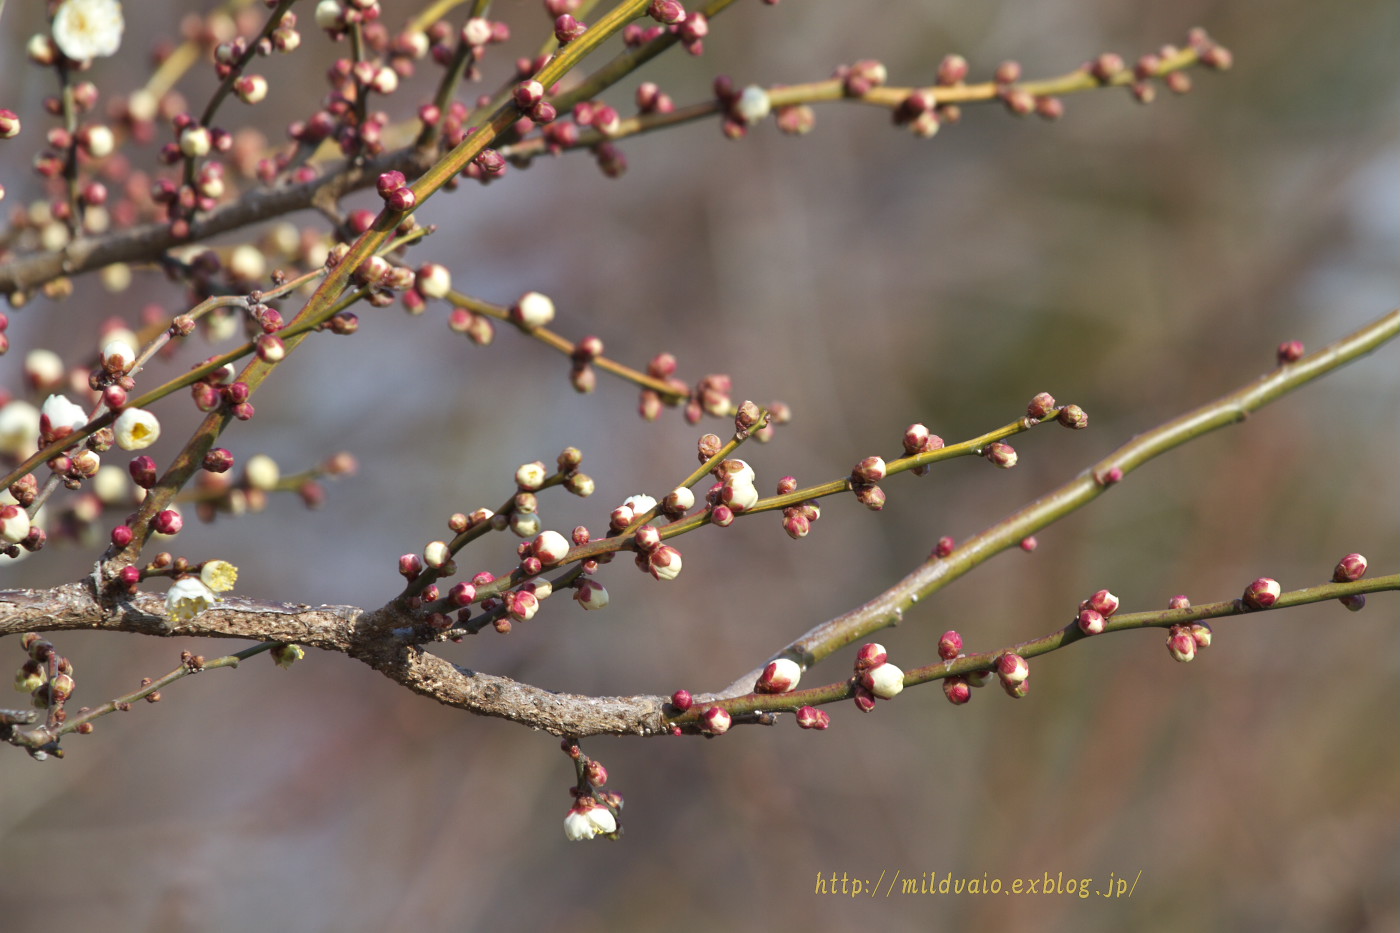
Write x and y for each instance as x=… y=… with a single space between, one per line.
x=1012 y=669
x=1262 y=593
x=1178 y=602
x=1000 y=454
x=779 y=676
x=1201 y=632
x=532 y=310
x=884 y=680
x=1072 y=416
x=436 y=554
x=590 y=594
x=1290 y=351
x=1091 y=622
x=809 y=717
x=551 y=547
x=957 y=690
x=1040 y=406
x=664 y=563
x=647 y=538
x=1102 y=602
x=14 y=524
x=869 y=470
x=950 y=645
x=1181 y=644
x=863 y=698
x=870 y=655
x=681 y=700
x=1349 y=569
x=716 y=720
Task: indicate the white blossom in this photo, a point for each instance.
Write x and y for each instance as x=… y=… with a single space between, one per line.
x=587 y=819
x=136 y=429
x=187 y=598
x=85 y=29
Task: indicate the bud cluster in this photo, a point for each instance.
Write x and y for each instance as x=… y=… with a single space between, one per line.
x=875 y=677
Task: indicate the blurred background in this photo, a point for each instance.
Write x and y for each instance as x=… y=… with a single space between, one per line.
x=1135 y=260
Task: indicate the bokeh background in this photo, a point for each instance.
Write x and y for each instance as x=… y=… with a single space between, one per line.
x=1136 y=260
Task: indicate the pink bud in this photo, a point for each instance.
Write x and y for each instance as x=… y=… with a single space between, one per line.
x=944 y=547
x=1290 y=351
x=648 y=538
x=681 y=700
x=869 y=470
x=1001 y=454
x=1349 y=569
x=410 y=566
x=863 y=698
x=1201 y=633
x=1040 y=406
x=1262 y=593
x=950 y=645
x=957 y=690
x=870 y=655
x=168 y=522
x=1072 y=416
x=809 y=717
x=1178 y=602
x=1102 y=602
x=1012 y=669
x=1181 y=644
x=1091 y=622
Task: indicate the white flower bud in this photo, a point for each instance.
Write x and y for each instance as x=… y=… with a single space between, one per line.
x=19 y=428
x=550 y=547
x=436 y=554
x=262 y=472
x=61 y=413
x=533 y=310
x=14 y=524
x=118 y=356
x=531 y=476
x=885 y=681
x=753 y=104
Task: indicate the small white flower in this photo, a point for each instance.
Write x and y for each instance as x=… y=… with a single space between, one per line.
x=187 y=598
x=587 y=819
x=218 y=575
x=531 y=476
x=19 y=428
x=86 y=29
x=753 y=104
x=62 y=413
x=262 y=472
x=639 y=503
x=136 y=429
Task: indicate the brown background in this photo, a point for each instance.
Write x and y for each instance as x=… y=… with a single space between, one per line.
x=1135 y=260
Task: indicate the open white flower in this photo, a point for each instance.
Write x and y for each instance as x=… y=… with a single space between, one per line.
x=187 y=598
x=219 y=575
x=136 y=429
x=587 y=819
x=85 y=29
